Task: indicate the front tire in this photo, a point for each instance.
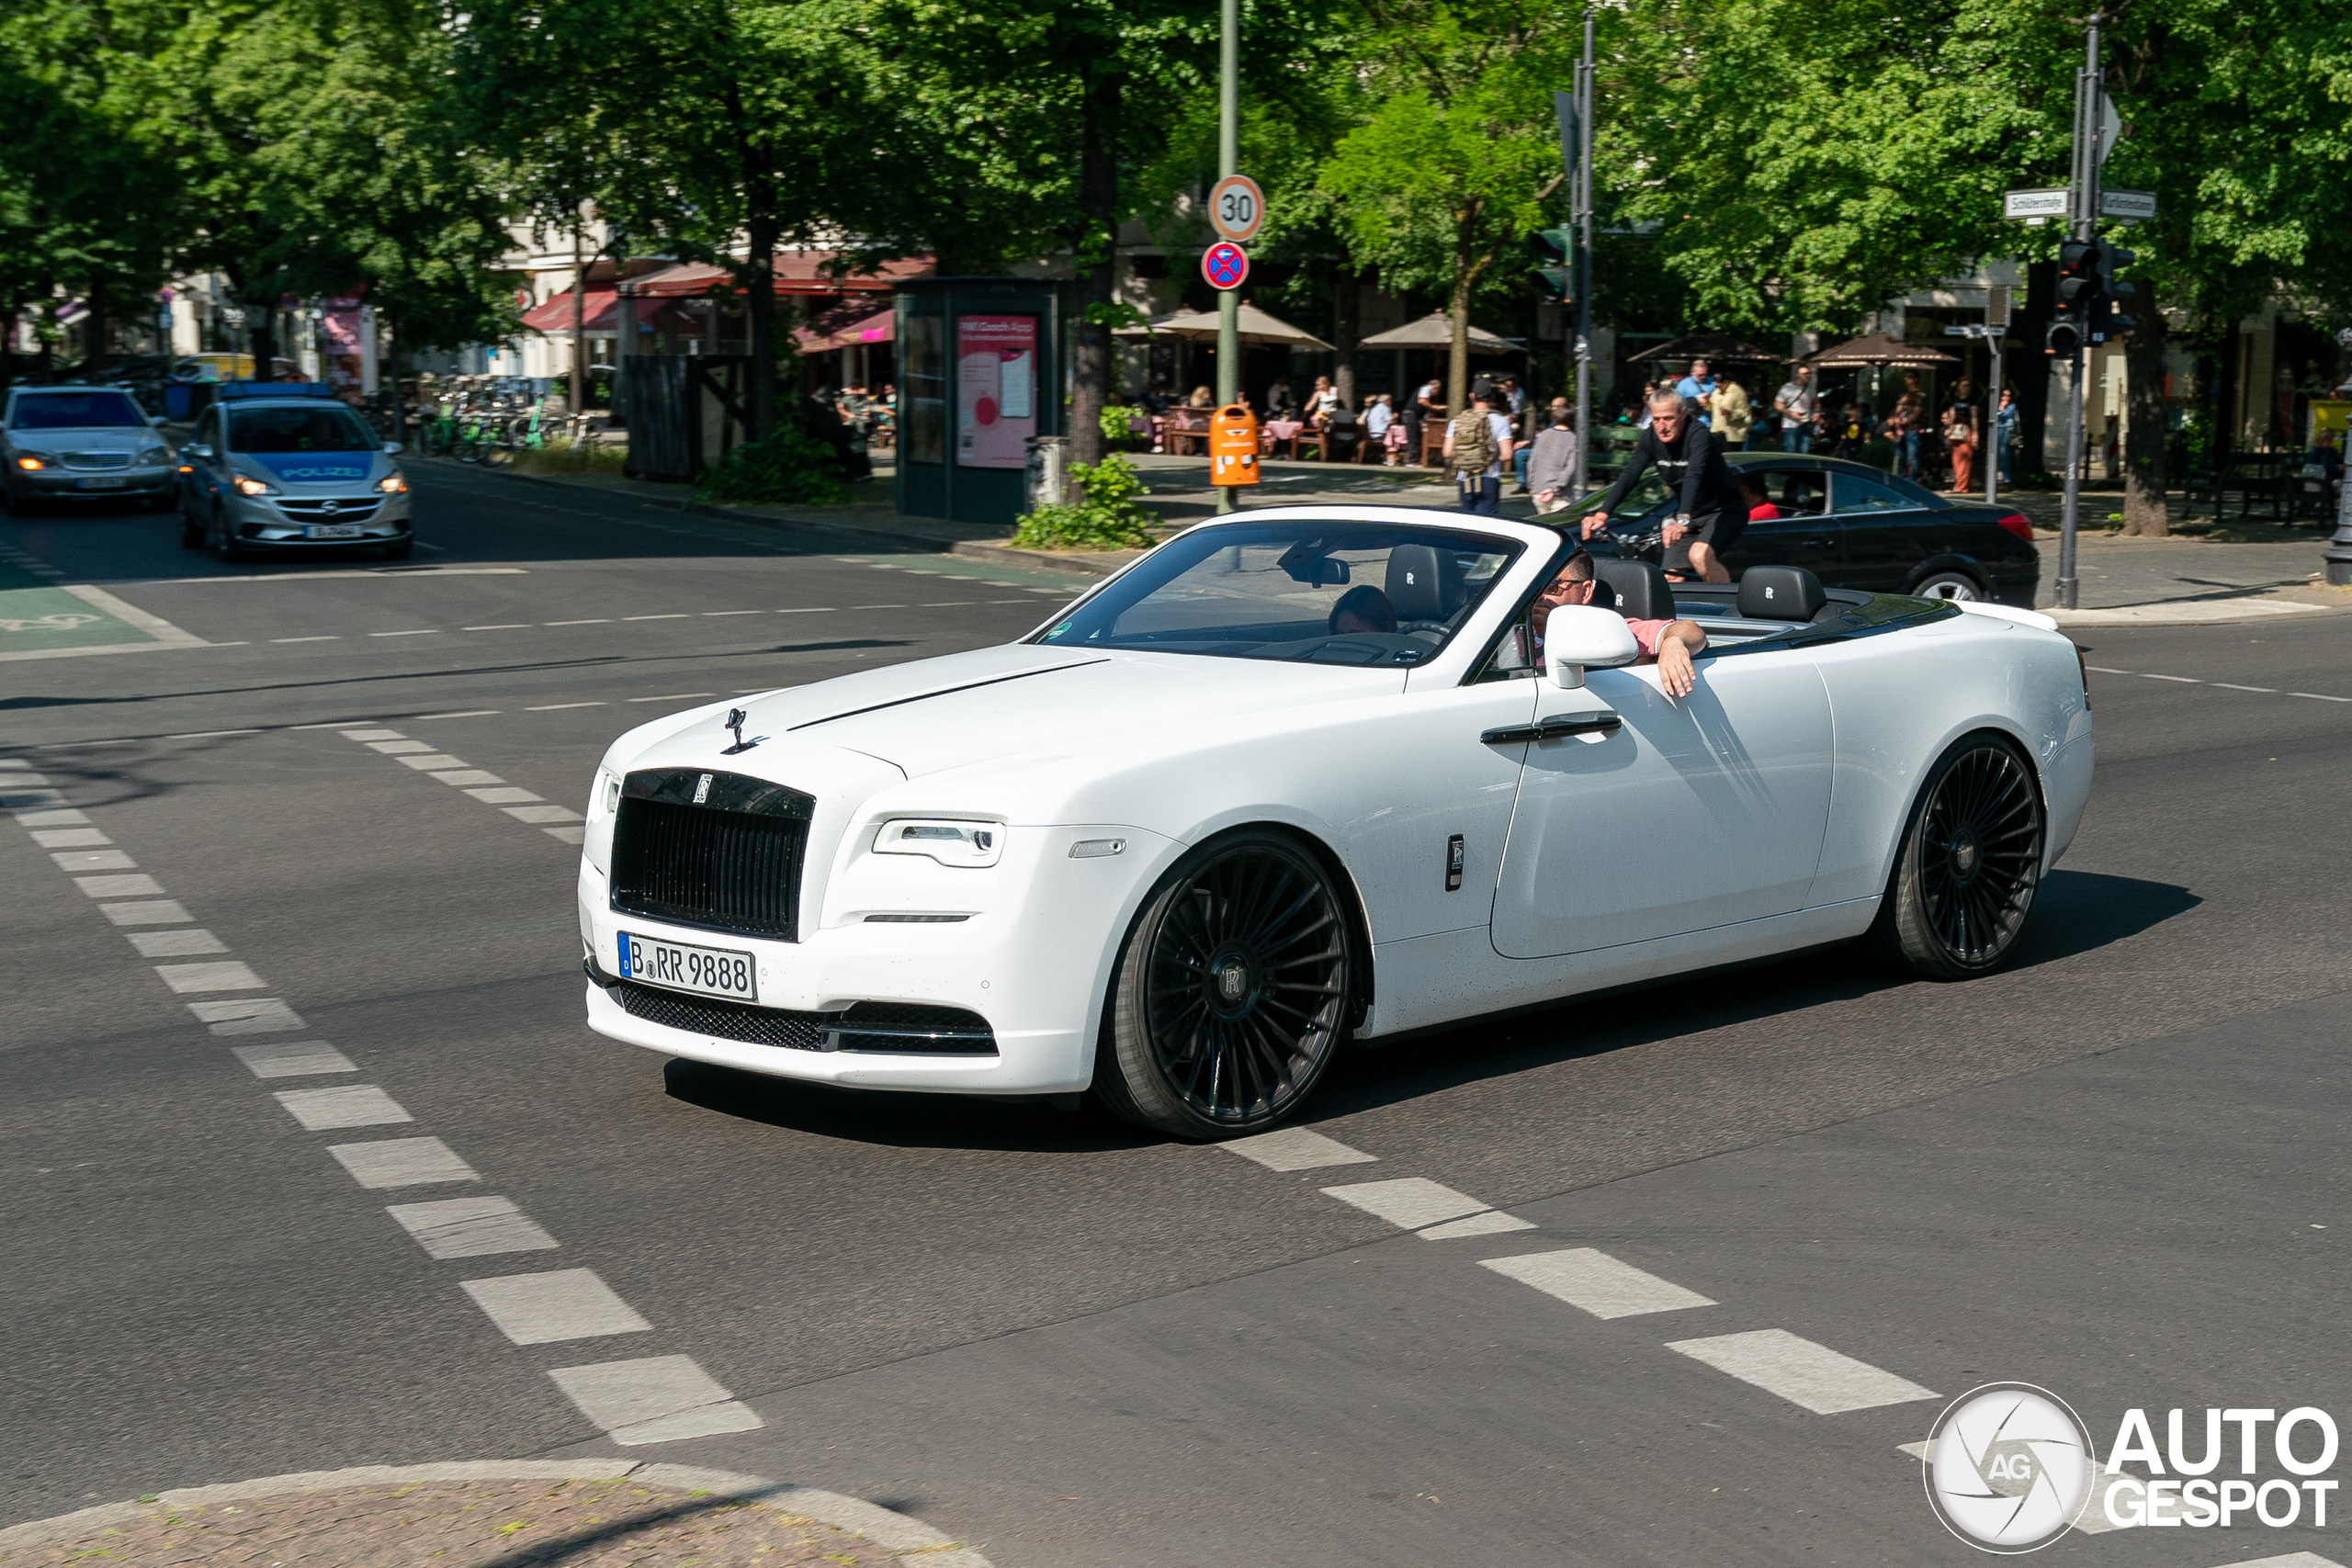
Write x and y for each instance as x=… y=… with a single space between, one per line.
x=1970 y=862
x=1232 y=994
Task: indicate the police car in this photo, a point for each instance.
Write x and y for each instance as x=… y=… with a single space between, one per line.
x=286 y=467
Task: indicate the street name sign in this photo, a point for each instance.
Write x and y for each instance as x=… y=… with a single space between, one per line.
x=1226 y=266
x=1237 y=208
x=2057 y=203
x=2126 y=203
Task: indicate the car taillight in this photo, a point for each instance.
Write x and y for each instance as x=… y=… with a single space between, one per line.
x=2017 y=525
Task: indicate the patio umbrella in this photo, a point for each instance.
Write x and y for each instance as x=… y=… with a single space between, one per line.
x=1877 y=351
x=1258 y=330
x=1436 y=331
x=1713 y=348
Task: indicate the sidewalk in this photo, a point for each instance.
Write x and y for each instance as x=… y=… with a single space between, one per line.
x=496 y=1515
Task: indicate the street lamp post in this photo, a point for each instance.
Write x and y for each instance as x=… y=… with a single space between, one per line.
x=1584 y=260
x=2089 y=95
x=2338 y=554
x=1228 y=162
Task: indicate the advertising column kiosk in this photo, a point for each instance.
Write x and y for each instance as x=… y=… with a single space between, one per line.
x=980 y=373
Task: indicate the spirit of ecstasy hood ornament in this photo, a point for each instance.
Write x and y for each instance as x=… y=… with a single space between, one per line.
x=736 y=719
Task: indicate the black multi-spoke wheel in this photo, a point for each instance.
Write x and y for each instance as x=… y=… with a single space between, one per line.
x=1232 y=994
x=1970 y=865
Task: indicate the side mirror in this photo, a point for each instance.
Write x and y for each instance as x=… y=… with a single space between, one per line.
x=1578 y=638
x=390 y=447
x=198 y=449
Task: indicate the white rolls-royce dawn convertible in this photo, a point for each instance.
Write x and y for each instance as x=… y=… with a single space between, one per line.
x=1315 y=775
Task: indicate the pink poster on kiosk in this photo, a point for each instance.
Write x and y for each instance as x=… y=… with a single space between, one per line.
x=996 y=390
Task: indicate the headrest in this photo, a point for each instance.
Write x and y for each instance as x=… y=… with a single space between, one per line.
x=1780 y=594
x=1417 y=582
x=1634 y=588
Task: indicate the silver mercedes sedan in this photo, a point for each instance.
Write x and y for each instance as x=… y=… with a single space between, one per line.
x=82 y=444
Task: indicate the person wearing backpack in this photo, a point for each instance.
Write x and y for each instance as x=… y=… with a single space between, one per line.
x=1477 y=444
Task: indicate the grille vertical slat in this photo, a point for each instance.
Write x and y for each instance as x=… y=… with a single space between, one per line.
x=732 y=864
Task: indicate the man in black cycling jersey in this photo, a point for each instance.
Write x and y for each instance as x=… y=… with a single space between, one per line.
x=1710 y=513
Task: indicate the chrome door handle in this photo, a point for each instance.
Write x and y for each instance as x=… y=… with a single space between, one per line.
x=1817 y=544
x=1553 y=729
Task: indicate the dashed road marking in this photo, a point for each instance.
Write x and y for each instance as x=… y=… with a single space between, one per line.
x=468 y=776
x=674 y=697
x=400 y=748
x=540 y=815
x=1296 y=1149
x=293 y=1058
x=2320 y=697
x=470 y=1227
x=177 y=944
x=401 y=1162
x=329 y=638
x=1800 y=1371
x=418 y=631
x=1599 y=1284
x=503 y=794
x=675 y=616
x=658 y=1399
x=119 y=886
x=190 y=979
x=591 y=621
x=504 y=626
x=435 y=762
x=259 y=1015
x=468 y=713
x=152 y=912
x=93 y=860
x=1494 y=1222
x=540 y=1309
x=67 y=838
x=559 y=707
x=345 y=1105
x=2233 y=686
x=2184 y=680
x=1408 y=1202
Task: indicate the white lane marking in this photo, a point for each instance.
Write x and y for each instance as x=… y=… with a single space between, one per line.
x=2233 y=686
x=434 y=762
x=557 y=707
x=330 y=638
x=210 y=734
x=119 y=886
x=1409 y=1202
x=2320 y=697
x=470 y=1227
x=680 y=616
x=659 y=1399
x=568 y=835
x=14 y=763
x=155 y=912
x=342 y=723
x=1295 y=1148
x=25 y=781
x=2289 y=1560
x=65 y=816
x=401 y=1162
x=568 y=1303
x=504 y=626
x=190 y=979
x=503 y=794
x=714 y=615
x=470 y=713
x=591 y=621
x=364 y=734
x=878 y=607
x=177 y=944
x=1800 y=1371
x=467 y=776
x=293 y=1058
x=418 y=631
x=345 y=1105
x=942 y=604
x=1584 y=1277
x=68 y=838
x=1494 y=1222
x=2103 y=670
x=93 y=860
x=2093 y=1519
x=399 y=747
x=539 y=814
x=674 y=697
x=812 y=610
x=260 y=1015
x=2184 y=680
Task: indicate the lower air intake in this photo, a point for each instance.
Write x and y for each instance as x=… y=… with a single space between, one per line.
x=900 y=1029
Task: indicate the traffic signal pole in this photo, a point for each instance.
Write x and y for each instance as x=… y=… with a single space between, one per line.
x=2088 y=92
x=1585 y=104
x=1229 y=161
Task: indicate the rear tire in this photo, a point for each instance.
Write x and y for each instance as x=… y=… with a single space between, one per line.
x=1956 y=586
x=1970 y=865
x=1232 y=994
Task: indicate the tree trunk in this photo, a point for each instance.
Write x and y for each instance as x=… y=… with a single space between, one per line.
x=2026 y=366
x=579 y=377
x=1098 y=252
x=94 y=330
x=1347 y=296
x=759 y=321
x=1457 y=353
x=2143 y=443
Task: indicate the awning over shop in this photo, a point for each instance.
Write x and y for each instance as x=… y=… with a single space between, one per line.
x=796 y=272
x=554 y=317
x=820 y=336
x=1878 y=350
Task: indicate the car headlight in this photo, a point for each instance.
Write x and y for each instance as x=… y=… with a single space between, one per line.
x=393 y=484
x=149 y=457
x=36 y=463
x=605 y=797
x=246 y=485
x=944 y=840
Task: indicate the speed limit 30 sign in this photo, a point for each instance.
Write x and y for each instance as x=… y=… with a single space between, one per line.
x=1237 y=208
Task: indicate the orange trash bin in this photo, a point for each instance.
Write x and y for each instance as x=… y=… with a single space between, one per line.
x=1233 y=446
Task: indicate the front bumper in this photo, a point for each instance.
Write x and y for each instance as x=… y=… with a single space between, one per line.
x=83 y=484
x=259 y=521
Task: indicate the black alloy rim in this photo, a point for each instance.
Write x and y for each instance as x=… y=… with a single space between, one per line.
x=1980 y=853
x=1247 y=984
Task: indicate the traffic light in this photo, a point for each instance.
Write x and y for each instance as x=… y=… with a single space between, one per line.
x=2079 y=275
x=1555 y=279
x=2065 y=337
x=2105 y=321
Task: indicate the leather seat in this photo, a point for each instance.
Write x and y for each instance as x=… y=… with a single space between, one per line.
x=1636 y=589
x=1423 y=583
x=1780 y=594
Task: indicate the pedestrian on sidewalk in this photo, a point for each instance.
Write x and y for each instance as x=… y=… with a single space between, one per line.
x=1904 y=424
x=1477 y=444
x=1797 y=402
x=1961 y=435
x=1378 y=419
x=1697 y=386
x=1731 y=415
x=1551 y=460
x=2005 y=433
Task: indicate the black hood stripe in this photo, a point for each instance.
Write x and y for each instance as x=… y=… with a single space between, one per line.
x=945 y=690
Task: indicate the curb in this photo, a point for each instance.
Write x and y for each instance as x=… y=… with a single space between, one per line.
x=1091 y=564
x=893 y=1531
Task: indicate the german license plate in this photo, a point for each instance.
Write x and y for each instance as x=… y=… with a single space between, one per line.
x=712 y=971
x=100 y=484
x=331 y=530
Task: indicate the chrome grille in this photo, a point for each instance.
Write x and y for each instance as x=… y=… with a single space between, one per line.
x=729 y=863
x=97 y=459
x=329 y=510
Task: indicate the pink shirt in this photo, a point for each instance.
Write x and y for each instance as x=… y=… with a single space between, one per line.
x=1646 y=635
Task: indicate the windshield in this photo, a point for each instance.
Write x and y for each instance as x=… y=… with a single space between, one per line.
x=330 y=427
x=1310 y=592
x=77 y=411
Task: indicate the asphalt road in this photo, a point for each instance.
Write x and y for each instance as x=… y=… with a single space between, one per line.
x=2115 y=1169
